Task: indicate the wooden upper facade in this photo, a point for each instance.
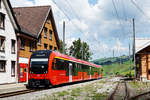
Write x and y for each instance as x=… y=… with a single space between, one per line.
x=143 y=59
x=38 y=30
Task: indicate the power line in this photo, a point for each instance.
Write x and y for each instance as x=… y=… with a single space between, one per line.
x=117 y=16
x=67 y=16
x=73 y=10
x=123 y=7
x=115 y=10
x=140 y=9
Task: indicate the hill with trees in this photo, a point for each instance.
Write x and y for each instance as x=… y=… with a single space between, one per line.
x=122 y=65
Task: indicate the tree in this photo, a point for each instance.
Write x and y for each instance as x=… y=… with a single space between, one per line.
x=80 y=50
x=61 y=47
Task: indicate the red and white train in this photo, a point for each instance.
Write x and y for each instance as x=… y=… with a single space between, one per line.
x=50 y=68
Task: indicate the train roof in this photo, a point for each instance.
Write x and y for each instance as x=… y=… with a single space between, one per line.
x=75 y=59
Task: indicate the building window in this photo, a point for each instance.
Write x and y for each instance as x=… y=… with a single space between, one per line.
x=45 y=32
x=50 y=47
x=0 y=3
x=13 y=63
x=48 y=20
x=2 y=44
x=2 y=21
x=55 y=48
x=45 y=46
x=39 y=40
x=31 y=45
x=22 y=43
x=2 y=66
x=13 y=42
x=50 y=34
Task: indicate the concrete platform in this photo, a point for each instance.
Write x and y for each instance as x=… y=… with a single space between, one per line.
x=12 y=87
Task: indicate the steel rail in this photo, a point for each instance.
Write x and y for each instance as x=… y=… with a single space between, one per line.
x=15 y=93
x=113 y=93
x=140 y=95
x=127 y=95
x=127 y=92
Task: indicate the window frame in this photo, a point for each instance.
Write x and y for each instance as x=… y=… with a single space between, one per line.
x=31 y=46
x=55 y=48
x=2 y=44
x=22 y=44
x=46 y=46
x=3 y=16
x=50 y=47
x=13 y=73
x=50 y=34
x=13 y=50
x=0 y=3
x=39 y=40
x=45 y=32
x=4 y=65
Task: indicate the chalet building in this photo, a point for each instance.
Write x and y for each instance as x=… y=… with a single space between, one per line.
x=8 y=43
x=143 y=59
x=38 y=32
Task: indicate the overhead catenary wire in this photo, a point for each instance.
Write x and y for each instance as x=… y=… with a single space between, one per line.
x=67 y=16
x=118 y=18
x=124 y=12
x=73 y=10
x=139 y=9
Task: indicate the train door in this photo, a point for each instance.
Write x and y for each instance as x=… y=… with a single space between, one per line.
x=70 y=72
x=23 y=72
x=90 y=73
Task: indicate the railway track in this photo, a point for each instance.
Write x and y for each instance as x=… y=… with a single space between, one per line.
x=143 y=96
x=15 y=93
x=121 y=92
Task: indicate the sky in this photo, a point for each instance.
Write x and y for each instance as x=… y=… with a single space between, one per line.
x=106 y=25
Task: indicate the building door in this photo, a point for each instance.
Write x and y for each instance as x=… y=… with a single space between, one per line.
x=23 y=72
x=70 y=72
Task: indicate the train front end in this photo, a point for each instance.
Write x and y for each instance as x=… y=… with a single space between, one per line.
x=39 y=69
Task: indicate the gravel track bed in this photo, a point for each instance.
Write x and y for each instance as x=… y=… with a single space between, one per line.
x=120 y=93
x=96 y=89
x=139 y=87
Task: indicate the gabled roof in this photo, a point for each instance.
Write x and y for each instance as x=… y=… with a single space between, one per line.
x=32 y=20
x=141 y=43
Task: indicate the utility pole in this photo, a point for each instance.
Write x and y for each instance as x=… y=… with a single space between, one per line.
x=64 y=37
x=134 y=45
x=113 y=53
x=129 y=60
x=113 y=58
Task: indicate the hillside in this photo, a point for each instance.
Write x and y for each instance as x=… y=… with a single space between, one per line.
x=111 y=60
x=116 y=65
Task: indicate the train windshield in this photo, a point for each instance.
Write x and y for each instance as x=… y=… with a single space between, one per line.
x=38 y=65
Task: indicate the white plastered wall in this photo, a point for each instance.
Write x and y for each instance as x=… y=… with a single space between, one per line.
x=9 y=34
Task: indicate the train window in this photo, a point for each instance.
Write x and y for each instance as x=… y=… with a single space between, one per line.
x=75 y=69
x=66 y=65
x=59 y=64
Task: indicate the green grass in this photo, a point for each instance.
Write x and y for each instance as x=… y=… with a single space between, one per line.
x=121 y=69
x=63 y=93
x=76 y=92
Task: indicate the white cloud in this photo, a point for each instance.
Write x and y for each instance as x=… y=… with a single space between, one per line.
x=98 y=22
x=119 y=47
x=18 y=3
